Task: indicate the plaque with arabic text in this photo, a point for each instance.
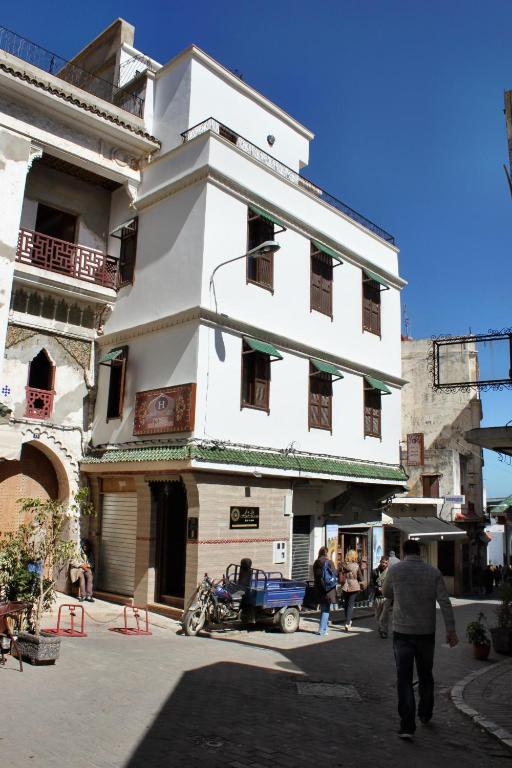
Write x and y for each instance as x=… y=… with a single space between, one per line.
x=170 y=409
x=415 y=449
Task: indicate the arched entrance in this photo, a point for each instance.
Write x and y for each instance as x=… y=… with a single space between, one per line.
x=32 y=476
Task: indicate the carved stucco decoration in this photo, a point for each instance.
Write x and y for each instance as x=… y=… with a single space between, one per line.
x=78 y=349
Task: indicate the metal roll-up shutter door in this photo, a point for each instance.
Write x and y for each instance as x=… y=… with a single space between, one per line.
x=300 y=547
x=118 y=540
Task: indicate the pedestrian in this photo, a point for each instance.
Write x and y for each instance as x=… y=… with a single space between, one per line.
x=381 y=603
x=81 y=570
x=352 y=578
x=392 y=559
x=488 y=579
x=498 y=576
x=326 y=594
x=414 y=586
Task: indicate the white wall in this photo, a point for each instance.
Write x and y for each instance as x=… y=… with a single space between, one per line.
x=168 y=265
x=171 y=114
x=161 y=359
x=287 y=311
x=14 y=153
x=218 y=406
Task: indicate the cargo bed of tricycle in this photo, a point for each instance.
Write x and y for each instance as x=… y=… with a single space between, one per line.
x=269 y=589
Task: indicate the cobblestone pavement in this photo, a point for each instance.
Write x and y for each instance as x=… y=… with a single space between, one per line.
x=232 y=700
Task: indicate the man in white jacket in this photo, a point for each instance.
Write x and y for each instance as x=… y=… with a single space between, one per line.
x=414 y=587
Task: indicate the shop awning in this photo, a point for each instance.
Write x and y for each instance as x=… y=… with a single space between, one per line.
x=268 y=216
x=428 y=529
x=377 y=278
x=502 y=507
x=112 y=355
x=322 y=367
x=376 y=384
x=263 y=346
x=328 y=251
x=10 y=443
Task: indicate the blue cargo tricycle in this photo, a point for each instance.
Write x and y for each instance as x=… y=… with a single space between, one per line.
x=245 y=597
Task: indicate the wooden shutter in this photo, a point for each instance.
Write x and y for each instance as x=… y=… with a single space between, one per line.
x=372 y=413
x=117 y=385
x=260 y=269
x=371 y=306
x=128 y=253
x=320 y=400
x=321 y=282
x=255 y=379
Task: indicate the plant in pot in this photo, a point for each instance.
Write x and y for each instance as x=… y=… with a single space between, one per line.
x=502 y=633
x=31 y=559
x=476 y=632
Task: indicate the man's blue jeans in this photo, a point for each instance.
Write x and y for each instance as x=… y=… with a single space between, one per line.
x=409 y=649
x=324 y=617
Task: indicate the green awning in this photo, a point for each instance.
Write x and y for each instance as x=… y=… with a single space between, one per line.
x=263 y=346
x=376 y=384
x=502 y=506
x=268 y=216
x=112 y=355
x=380 y=280
x=328 y=251
x=327 y=368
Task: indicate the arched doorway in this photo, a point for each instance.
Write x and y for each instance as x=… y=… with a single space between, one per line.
x=32 y=476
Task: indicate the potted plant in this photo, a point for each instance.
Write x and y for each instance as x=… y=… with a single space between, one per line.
x=31 y=559
x=502 y=633
x=476 y=632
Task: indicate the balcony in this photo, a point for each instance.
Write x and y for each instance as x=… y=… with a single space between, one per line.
x=39 y=403
x=283 y=170
x=55 y=65
x=66 y=258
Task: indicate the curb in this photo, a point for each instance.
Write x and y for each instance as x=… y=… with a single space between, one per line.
x=457 y=697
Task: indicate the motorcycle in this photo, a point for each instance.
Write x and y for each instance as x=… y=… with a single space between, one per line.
x=212 y=603
x=263 y=597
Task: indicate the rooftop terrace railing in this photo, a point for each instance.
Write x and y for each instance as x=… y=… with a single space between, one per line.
x=55 y=65
x=283 y=170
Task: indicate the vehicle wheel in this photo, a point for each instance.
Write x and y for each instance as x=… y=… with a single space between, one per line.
x=194 y=620
x=289 y=620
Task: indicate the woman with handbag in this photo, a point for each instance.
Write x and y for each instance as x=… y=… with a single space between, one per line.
x=351 y=579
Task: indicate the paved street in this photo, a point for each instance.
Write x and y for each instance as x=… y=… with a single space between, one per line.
x=232 y=700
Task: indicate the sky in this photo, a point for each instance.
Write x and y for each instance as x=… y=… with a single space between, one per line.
x=405 y=98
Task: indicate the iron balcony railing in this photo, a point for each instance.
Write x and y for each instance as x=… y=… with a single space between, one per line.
x=67 y=258
x=283 y=170
x=54 y=64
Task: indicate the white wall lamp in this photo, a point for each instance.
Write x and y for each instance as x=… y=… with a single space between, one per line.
x=269 y=246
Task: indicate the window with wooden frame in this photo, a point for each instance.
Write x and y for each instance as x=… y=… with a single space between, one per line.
x=321 y=281
x=128 y=252
x=116 y=360
x=260 y=268
x=255 y=379
x=320 y=399
x=372 y=412
x=371 y=305
x=430 y=486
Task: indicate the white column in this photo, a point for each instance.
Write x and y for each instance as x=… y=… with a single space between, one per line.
x=16 y=154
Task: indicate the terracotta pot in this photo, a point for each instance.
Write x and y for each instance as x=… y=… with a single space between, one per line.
x=481 y=651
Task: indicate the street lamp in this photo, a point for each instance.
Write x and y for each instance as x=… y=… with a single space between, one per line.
x=269 y=246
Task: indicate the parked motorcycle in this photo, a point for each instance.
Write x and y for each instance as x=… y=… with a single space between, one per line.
x=262 y=597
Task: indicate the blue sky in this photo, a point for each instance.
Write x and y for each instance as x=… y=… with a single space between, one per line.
x=406 y=100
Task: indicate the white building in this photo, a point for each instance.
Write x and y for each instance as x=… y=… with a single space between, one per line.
x=237 y=396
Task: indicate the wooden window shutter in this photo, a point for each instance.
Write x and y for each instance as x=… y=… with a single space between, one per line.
x=320 y=400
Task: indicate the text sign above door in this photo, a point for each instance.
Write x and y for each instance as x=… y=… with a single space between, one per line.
x=244 y=517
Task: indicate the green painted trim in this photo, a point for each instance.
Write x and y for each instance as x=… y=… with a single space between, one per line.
x=280 y=461
x=328 y=251
x=263 y=346
x=373 y=276
x=327 y=368
x=377 y=384
x=112 y=355
x=268 y=216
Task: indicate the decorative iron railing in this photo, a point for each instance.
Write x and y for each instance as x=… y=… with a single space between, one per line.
x=39 y=403
x=55 y=65
x=66 y=258
x=283 y=170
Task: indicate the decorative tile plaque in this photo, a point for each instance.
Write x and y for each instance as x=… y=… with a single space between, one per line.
x=170 y=409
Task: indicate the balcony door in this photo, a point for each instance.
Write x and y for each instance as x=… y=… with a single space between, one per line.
x=55 y=223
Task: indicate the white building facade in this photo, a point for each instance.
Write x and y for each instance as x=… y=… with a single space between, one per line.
x=236 y=396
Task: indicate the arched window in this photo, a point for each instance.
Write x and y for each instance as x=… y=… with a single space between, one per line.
x=39 y=390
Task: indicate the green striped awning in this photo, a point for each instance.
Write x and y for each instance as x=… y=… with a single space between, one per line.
x=376 y=384
x=502 y=507
x=112 y=355
x=377 y=278
x=268 y=216
x=327 y=368
x=328 y=251
x=263 y=346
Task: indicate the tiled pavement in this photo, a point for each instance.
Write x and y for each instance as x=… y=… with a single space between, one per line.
x=231 y=700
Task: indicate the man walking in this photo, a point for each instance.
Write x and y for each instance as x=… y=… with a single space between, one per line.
x=381 y=604
x=414 y=587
